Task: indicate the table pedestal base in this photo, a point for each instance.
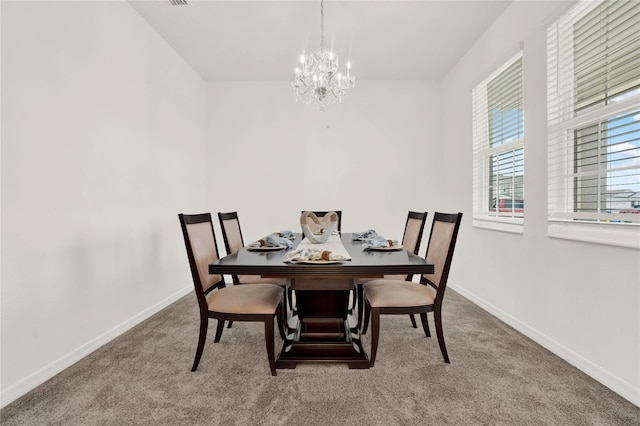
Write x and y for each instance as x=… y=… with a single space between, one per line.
x=305 y=345
x=323 y=328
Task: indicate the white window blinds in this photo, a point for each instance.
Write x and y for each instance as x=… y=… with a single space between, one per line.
x=594 y=114
x=498 y=145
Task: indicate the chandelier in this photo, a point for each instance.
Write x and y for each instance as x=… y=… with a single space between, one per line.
x=317 y=80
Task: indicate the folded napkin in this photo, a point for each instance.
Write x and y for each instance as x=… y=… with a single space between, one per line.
x=286 y=234
x=359 y=236
x=321 y=231
x=277 y=239
x=303 y=255
x=378 y=242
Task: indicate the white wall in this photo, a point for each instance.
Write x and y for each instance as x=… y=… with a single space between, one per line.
x=103 y=135
x=375 y=158
x=580 y=300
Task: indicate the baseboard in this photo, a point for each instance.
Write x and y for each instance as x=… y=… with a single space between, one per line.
x=32 y=381
x=613 y=382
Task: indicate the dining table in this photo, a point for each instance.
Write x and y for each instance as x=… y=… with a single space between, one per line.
x=322 y=327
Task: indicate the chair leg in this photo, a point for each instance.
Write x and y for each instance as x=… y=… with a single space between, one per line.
x=367 y=314
x=219 y=331
x=268 y=337
x=375 y=333
x=285 y=296
x=413 y=320
x=425 y=324
x=359 y=297
x=280 y=316
x=438 y=320
x=229 y=324
x=290 y=297
x=204 y=325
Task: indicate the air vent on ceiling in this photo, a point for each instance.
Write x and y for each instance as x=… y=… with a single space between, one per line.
x=179 y=2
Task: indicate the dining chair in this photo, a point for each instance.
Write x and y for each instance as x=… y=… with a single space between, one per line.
x=232 y=235
x=314 y=227
x=411 y=240
x=395 y=297
x=216 y=300
x=233 y=241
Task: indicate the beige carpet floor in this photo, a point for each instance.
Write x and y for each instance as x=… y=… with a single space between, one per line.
x=496 y=377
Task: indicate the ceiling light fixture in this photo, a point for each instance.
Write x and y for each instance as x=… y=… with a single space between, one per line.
x=317 y=80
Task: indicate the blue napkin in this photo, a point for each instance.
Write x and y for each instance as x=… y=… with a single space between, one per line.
x=286 y=234
x=360 y=236
x=378 y=242
x=277 y=239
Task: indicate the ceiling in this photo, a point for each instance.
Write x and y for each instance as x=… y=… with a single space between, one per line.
x=262 y=40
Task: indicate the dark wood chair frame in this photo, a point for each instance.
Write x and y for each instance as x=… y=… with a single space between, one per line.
x=205 y=313
x=422 y=216
x=436 y=307
x=229 y=216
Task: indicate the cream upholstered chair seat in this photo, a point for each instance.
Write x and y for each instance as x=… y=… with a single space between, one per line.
x=405 y=293
x=246 y=299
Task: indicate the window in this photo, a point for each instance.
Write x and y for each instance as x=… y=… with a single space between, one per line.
x=498 y=149
x=594 y=123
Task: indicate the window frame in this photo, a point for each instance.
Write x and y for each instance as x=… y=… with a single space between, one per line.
x=483 y=154
x=563 y=221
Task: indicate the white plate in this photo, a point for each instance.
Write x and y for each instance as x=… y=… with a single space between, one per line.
x=392 y=248
x=266 y=248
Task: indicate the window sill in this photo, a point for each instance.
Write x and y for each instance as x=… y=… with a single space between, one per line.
x=512 y=226
x=619 y=235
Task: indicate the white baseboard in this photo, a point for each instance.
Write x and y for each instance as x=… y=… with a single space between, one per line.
x=613 y=382
x=33 y=380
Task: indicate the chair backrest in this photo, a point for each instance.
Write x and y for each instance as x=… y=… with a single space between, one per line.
x=442 y=241
x=231 y=232
x=200 y=241
x=315 y=227
x=413 y=231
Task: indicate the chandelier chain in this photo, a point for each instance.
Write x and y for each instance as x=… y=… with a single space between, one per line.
x=321 y=24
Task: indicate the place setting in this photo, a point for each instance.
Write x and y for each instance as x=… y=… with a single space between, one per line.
x=322 y=248
x=273 y=242
x=371 y=241
x=315 y=257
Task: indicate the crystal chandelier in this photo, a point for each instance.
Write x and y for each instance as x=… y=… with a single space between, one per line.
x=317 y=80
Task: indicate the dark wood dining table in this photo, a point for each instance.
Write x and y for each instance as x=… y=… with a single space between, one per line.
x=323 y=326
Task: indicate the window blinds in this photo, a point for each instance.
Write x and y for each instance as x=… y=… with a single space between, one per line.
x=498 y=130
x=594 y=113
x=606 y=52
